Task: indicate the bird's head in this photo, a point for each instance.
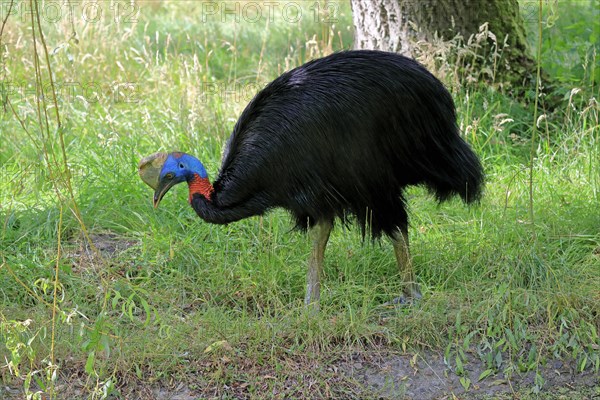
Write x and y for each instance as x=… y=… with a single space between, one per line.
x=162 y=171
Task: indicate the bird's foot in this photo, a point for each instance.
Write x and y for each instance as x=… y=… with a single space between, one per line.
x=410 y=296
x=402 y=301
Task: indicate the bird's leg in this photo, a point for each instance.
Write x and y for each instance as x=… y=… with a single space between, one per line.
x=319 y=234
x=401 y=250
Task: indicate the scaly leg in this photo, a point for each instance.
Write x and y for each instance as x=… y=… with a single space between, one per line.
x=402 y=252
x=319 y=234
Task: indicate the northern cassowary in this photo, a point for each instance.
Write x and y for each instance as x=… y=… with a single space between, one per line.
x=338 y=136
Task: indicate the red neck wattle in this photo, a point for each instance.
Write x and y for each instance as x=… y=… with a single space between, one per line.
x=201 y=186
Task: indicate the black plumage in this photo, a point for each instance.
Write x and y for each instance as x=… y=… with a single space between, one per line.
x=344 y=135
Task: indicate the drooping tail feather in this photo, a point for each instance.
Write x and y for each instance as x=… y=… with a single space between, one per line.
x=460 y=174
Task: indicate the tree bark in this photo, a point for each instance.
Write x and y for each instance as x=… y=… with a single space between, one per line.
x=397 y=25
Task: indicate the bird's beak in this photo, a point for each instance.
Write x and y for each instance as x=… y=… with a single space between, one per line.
x=149 y=170
x=163 y=187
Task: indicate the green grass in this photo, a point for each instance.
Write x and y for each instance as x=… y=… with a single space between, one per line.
x=217 y=306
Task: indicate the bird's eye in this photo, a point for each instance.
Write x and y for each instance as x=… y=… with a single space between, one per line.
x=170 y=175
x=181 y=166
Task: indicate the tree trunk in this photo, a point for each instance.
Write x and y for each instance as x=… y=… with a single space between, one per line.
x=397 y=25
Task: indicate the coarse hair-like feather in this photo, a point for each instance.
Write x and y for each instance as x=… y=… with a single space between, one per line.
x=344 y=135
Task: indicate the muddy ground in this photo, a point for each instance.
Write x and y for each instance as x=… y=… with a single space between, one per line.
x=360 y=376
x=424 y=378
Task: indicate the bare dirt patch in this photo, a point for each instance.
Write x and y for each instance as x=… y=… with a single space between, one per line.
x=105 y=249
x=427 y=377
x=377 y=374
x=108 y=244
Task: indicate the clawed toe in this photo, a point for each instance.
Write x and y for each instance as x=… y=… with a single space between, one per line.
x=408 y=298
